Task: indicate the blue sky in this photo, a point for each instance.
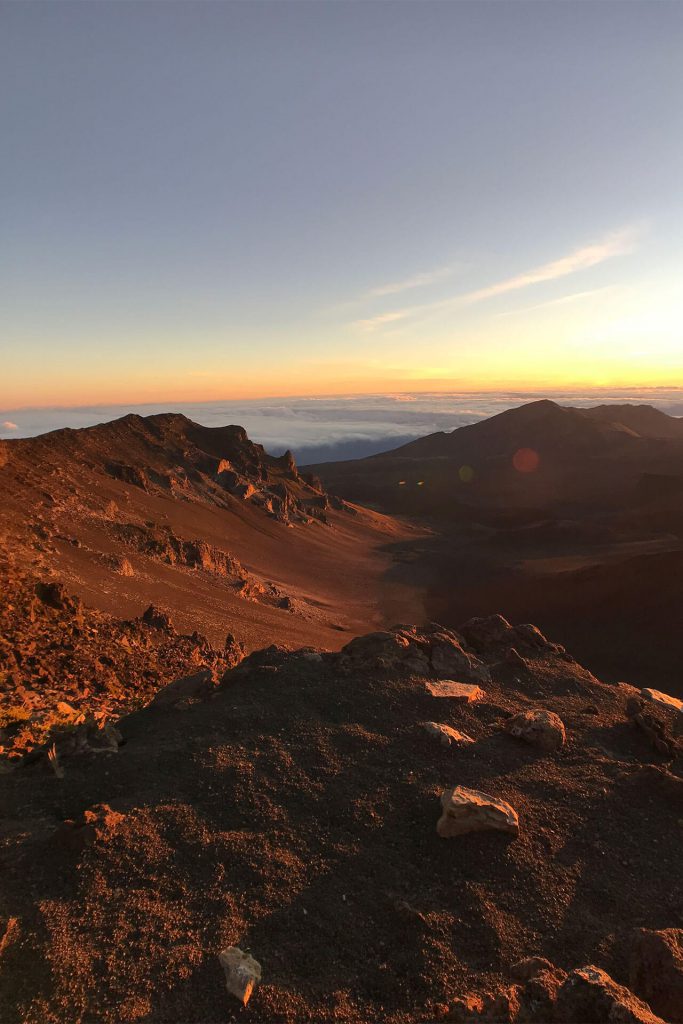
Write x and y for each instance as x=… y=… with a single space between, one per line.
x=213 y=200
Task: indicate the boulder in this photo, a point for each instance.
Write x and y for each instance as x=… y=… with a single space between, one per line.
x=590 y=996
x=528 y=635
x=447 y=735
x=242 y=972
x=486 y=631
x=540 y=727
x=428 y=651
x=388 y=651
x=466 y=693
x=656 y=970
x=470 y=810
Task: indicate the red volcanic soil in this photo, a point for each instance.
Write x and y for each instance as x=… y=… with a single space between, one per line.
x=201 y=521
x=163 y=798
x=292 y=812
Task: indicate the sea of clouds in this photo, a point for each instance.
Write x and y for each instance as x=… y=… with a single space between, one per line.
x=339 y=427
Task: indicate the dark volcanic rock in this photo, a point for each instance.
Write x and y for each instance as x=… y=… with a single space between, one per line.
x=157 y=618
x=431 y=651
x=656 y=970
x=590 y=996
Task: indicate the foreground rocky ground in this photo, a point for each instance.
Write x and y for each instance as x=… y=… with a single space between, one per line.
x=63 y=664
x=288 y=806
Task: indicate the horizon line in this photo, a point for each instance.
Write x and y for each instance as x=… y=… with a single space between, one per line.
x=313 y=396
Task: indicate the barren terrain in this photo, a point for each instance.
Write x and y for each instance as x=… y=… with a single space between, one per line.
x=213 y=746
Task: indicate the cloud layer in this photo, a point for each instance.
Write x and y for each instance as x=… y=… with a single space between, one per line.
x=353 y=426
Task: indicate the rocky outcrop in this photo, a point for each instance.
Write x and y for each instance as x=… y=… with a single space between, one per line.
x=544 y=993
x=157 y=618
x=590 y=995
x=53 y=594
x=656 y=970
x=541 y=728
x=494 y=631
x=470 y=810
x=429 y=651
x=133 y=475
x=660 y=723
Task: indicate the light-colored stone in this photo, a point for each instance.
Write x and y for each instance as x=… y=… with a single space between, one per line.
x=466 y=692
x=539 y=726
x=470 y=810
x=446 y=734
x=242 y=972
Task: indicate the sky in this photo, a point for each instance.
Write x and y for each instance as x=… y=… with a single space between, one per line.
x=208 y=201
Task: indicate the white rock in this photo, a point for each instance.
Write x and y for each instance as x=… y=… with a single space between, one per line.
x=470 y=810
x=242 y=972
x=446 y=734
x=468 y=693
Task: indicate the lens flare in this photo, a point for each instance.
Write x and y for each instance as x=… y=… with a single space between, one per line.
x=525 y=460
x=466 y=474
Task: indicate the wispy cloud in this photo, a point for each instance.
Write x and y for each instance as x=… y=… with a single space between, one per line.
x=383 y=318
x=416 y=281
x=618 y=243
x=563 y=300
x=8 y=425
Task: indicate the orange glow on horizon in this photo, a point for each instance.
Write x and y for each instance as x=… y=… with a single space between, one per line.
x=72 y=394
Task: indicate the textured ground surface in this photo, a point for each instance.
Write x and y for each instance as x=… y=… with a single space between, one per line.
x=293 y=813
